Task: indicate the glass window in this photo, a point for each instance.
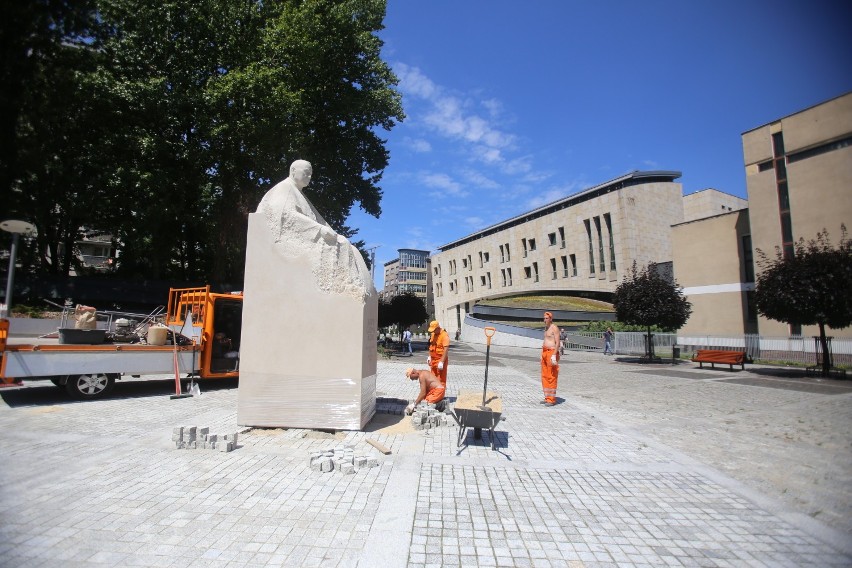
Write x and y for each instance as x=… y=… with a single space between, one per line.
x=535 y=271
x=600 y=244
x=748 y=259
x=562 y=236
x=608 y=222
x=778 y=144
x=509 y=276
x=591 y=247
x=551 y=238
x=532 y=244
x=527 y=272
x=508 y=258
x=553 y=268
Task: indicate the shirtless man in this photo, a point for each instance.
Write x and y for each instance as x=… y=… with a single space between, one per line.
x=549 y=360
x=431 y=389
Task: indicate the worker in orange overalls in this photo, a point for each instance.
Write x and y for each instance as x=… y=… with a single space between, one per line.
x=549 y=360
x=439 y=346
x=431 y=388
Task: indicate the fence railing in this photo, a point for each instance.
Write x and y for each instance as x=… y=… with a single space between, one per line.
x=795 y=349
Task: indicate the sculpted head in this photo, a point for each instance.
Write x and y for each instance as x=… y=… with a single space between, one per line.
x=300 y=173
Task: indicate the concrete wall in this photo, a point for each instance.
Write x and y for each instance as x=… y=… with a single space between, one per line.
x=709 y=265
x=819 y=186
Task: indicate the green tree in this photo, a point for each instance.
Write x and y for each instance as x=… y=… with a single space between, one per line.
x=406 y=310
x=185 y=113
x=647 y=298
x=812 y=287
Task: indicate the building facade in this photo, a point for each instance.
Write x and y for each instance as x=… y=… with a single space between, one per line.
x=582 y=244
x=799 y=181
x=409 y=273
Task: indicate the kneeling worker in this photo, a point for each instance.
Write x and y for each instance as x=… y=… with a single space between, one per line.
x=431 y=389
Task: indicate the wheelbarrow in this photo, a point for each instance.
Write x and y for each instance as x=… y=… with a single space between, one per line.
x=469 y=414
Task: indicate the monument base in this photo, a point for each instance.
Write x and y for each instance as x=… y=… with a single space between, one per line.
x=307 y=357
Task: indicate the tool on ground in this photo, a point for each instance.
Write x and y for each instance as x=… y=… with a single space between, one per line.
x=489 y=333
x=178 y=393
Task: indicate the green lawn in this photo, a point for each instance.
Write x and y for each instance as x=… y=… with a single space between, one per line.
x=552 y=302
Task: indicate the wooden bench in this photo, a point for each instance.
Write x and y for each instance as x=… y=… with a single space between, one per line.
x=714 y=356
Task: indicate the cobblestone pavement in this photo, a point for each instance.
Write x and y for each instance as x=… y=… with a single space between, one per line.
x=637 y=465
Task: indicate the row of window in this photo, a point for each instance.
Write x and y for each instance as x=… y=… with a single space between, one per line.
x=567 y=268
x=594 y=228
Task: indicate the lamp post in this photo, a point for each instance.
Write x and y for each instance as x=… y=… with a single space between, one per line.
x=16 y=228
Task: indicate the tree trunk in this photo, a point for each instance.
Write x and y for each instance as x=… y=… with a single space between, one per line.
x=826 y=355
x=650 y=342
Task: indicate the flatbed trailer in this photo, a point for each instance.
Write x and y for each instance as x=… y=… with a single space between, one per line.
x=200 y=322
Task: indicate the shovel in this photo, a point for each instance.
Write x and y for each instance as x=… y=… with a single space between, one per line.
x=489 y=333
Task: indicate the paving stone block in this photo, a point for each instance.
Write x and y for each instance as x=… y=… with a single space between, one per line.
x=326 y=465
x=202 y=432
x=347 y=468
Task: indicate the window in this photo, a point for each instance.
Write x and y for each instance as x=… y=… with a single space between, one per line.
x=452 y=286
x=564 y=267
x=562 y=236
x=487 y=257
x=524 y=244
x=502 y=256
x=535 y=271
x=464 y=263
x=437 y=270
x=480 y=259
x=527 y=272
x=553 y=268
x=608 y=222
x=503 y=277
x=551 y=238
x=508 y=256
x=573 y=265
x=591 y=248
x=482 y=281
x=509 y=276
x=748 y=259
x=456 y=281
x=783 y=194
x=488 y=274
x=469 y=263
x=532 y=245
x=412 y=260
x=600 y=245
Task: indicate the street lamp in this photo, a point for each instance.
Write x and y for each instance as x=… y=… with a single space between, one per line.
x=16 y=228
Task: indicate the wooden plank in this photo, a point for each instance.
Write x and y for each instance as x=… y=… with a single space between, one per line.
x=381 y=447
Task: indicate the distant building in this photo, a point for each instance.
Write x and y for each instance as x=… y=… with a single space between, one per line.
x=582 y=244
x=409 y=274
x=799 y=181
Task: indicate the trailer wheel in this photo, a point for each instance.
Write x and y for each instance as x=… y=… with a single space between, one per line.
x=90 y=386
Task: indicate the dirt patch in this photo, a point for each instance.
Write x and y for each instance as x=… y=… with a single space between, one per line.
x=472 y=400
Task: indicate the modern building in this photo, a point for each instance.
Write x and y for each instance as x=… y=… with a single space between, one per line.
x=799 y=180
x=582 y=244
x=409 y=273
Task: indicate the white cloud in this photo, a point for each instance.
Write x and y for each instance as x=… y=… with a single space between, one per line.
x=418 y=144
x=442 y=182
x=450 y=117
x=479 y=180
x=474 y=223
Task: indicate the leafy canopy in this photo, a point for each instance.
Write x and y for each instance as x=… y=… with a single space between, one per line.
x=646 y=298
x=812 y=287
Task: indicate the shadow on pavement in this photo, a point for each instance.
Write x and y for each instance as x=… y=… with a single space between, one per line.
x=42 y=393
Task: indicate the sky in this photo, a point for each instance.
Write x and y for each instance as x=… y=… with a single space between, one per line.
x=511 y=105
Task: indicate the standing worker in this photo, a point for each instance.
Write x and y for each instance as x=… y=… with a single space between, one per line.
x=549 y=360
x=439 y=346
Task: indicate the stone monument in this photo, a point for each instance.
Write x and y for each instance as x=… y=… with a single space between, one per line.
x=308 y=345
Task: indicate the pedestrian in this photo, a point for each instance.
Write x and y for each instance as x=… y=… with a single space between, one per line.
x=608 y=335
x=406 y=341
x=439 y=347
x=549 y=360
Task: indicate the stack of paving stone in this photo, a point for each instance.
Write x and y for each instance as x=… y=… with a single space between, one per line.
x=195 y=438
x=425 y=416
x=390 y=405
x=342 y=459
